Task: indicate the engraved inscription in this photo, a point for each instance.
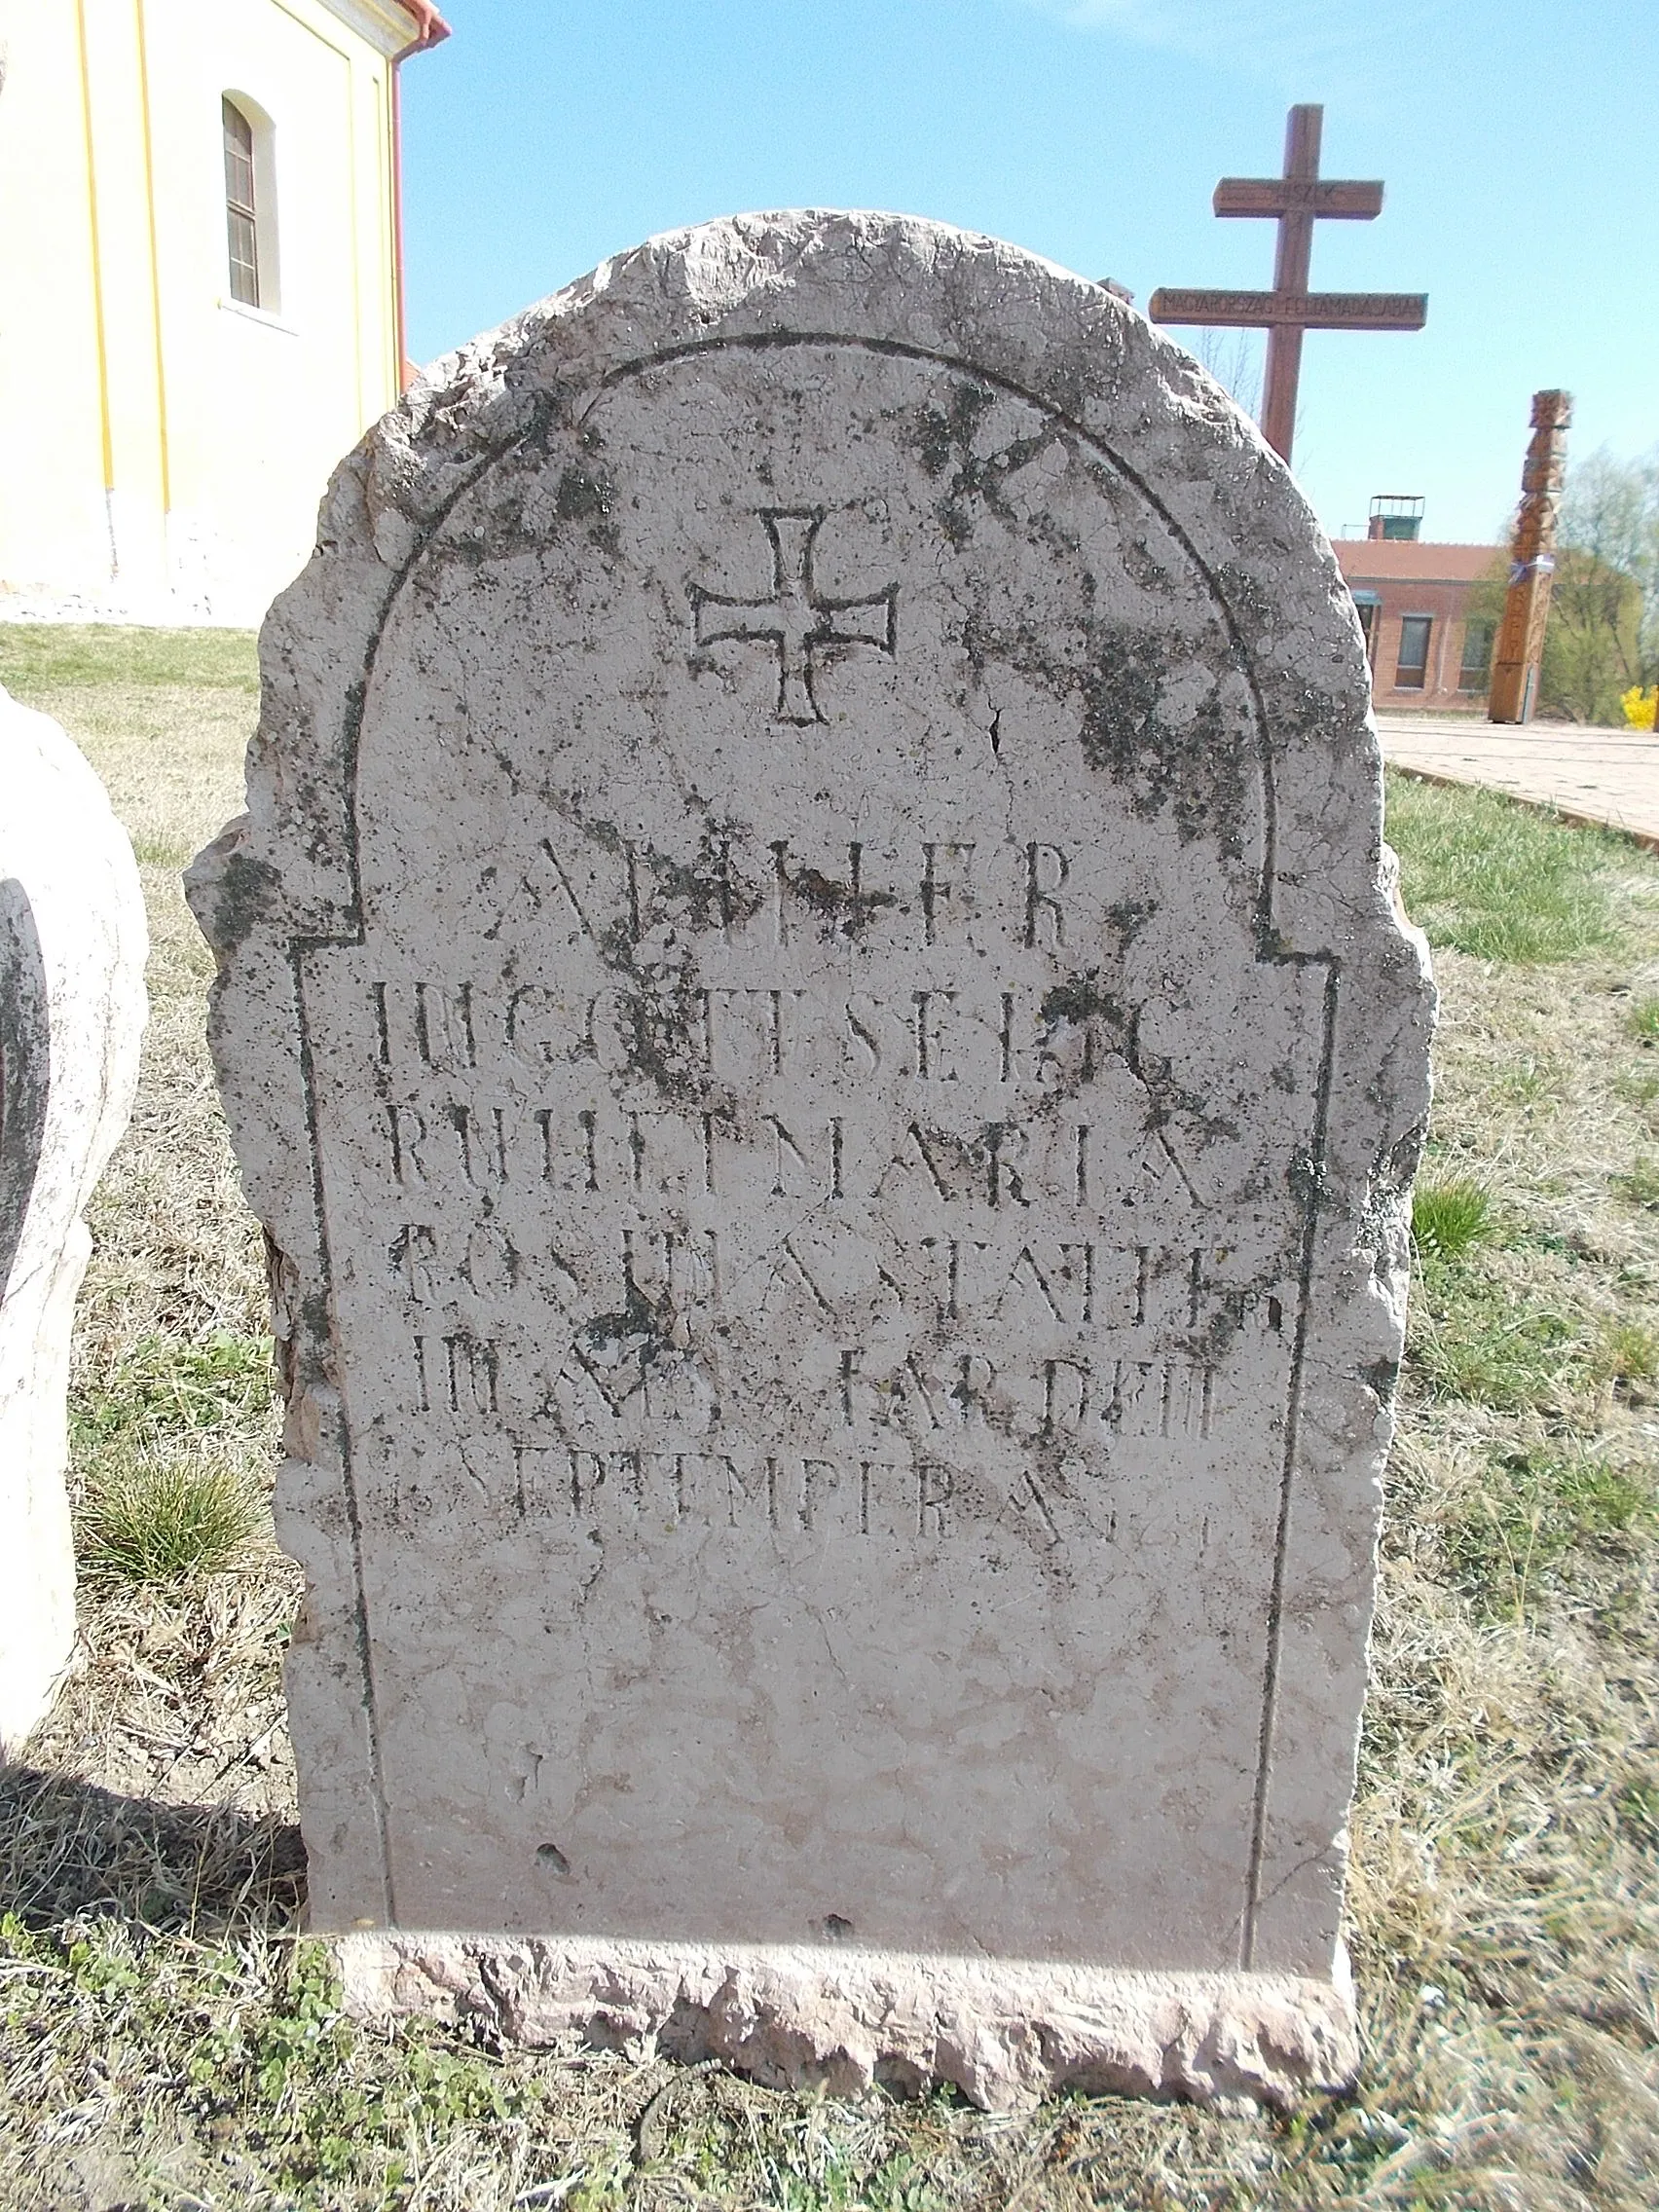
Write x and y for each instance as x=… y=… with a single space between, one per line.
x=948 y=1205
x=797 y=1158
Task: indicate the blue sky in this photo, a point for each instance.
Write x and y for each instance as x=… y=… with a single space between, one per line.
x=1519 y=142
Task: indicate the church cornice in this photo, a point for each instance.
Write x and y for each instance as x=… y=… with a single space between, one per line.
x=392 y=30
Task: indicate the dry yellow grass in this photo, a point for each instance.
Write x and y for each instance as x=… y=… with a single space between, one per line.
x=168 y=2043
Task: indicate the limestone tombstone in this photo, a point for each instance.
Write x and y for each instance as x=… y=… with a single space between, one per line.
x=72 y=949
x=811 y=998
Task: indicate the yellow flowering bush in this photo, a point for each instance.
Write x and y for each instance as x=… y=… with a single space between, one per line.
x=1638 y=705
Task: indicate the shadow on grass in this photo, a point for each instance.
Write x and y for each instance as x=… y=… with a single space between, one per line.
x=68 y=1848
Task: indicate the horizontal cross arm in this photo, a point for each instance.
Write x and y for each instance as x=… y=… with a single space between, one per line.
x=1343 y=199
x=870 y=621
x=1301 y=310
x=718 y=619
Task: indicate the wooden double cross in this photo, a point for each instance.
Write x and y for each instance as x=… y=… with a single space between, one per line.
x=1299 y=199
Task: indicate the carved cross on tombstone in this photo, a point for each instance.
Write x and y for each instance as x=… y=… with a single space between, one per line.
x=798 y=620
x=1299 y=199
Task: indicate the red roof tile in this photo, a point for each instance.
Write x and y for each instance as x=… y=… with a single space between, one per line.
x=1405 y=560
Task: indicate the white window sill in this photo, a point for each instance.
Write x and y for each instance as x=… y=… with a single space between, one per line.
x=260 y=315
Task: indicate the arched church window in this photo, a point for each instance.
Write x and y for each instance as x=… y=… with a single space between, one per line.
x=242 y=206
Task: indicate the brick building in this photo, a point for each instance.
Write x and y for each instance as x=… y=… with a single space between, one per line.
x=1428 y=648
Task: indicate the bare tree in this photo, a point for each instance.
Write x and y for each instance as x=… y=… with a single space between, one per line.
x=1233 y=358
x=1603 y=627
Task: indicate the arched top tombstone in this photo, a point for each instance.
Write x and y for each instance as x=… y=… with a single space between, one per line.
x=986 y=366
x=73 y=941
x=811 y=1000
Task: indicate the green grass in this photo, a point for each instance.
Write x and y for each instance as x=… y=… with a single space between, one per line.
x=283 y=2053
x=1642 y=1019
x=160 y=1443
x=1490 y=876
x=1640 y=1089
x=1639 y=1812
x=50 y=655
x=1534 y=1079
x=1628 y=1356
x=1508 y=1538
x=1640 y=1183
x=164 y=1520
x=1473 y=1337
x=1447 y=1218
x=157 y=1388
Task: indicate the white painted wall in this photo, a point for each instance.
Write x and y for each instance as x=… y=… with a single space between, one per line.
x=162 y=449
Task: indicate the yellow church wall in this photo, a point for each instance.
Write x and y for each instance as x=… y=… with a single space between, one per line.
x=51 y=501
x=162 y=448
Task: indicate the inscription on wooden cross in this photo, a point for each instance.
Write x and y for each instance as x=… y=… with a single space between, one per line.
x=1299 y=199
x=798 y=621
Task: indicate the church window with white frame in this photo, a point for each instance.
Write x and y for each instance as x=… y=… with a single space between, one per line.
x=242 y=206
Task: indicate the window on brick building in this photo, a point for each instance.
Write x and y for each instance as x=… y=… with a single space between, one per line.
x=1474 y=674
x=1411 y=670
x=1365 y=606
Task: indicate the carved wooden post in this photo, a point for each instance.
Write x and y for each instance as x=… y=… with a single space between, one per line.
x=1520 y=652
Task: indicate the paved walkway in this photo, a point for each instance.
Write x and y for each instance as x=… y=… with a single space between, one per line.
x=1598 y=776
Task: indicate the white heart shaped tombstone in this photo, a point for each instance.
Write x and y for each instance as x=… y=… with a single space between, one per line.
x=72 y=1006
x=811 y=1001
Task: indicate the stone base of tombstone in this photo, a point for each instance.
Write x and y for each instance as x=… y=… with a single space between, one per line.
x=1003 y=2031
x=72 y=950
